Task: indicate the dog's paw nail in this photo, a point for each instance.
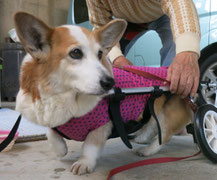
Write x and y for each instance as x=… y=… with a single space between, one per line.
x=82 y=167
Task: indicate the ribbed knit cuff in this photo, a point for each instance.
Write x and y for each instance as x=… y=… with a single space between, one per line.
x=114 y=53
x=188 y=42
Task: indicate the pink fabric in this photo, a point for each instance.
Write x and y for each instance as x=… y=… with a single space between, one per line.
x=131 y=107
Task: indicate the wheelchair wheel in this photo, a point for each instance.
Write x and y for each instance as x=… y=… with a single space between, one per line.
x=208 y=74
x=205 y=127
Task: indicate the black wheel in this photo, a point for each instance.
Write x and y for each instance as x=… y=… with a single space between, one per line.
x=205 y=127
x=208 y=73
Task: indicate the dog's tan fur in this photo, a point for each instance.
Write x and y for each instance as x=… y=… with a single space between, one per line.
x=40 y=85
x=173 y=116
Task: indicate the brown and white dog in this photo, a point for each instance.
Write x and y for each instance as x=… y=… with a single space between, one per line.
x=66 y=73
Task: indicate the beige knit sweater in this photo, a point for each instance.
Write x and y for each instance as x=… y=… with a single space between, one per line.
x=183 y=18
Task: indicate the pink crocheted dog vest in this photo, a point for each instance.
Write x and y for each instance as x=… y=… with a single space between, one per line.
x=131 y=107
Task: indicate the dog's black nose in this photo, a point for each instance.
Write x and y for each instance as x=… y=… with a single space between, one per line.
x=107 y=83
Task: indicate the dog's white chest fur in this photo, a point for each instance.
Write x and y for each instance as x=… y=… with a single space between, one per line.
x=54 y=110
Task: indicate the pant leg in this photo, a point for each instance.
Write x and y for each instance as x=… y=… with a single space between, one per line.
x=163 y=28
x=127 y=44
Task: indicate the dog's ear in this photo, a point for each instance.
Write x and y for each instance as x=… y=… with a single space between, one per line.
x=34 y=34
x=111 y=33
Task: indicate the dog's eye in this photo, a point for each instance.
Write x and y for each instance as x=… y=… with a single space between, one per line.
x=76 y=54
x=100 y=54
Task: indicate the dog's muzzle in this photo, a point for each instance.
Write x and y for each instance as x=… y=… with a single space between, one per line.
x=107 y=83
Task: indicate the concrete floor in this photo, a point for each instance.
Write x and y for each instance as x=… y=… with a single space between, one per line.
x=34 y=161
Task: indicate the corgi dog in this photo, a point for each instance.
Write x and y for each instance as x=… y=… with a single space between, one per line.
x=66 y=73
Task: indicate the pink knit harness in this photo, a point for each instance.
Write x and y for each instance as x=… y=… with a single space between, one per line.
x=130 y=108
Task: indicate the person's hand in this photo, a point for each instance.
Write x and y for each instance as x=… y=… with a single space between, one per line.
x=122 y=61
x=183 y=74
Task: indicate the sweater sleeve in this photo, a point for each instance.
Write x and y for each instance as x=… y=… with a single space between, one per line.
x=99 y=15
x=184 y=23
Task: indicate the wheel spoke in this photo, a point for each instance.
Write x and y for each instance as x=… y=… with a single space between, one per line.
x=214 y=145
x=212 y=119
x=215 y=119
x=210 y=138
x=208 y=123
x=208 y=131
x=209 y=74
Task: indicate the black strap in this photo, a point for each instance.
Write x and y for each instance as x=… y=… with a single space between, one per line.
x=115 y=115
x=10 y=137
x=122 y=130
x=133 y=126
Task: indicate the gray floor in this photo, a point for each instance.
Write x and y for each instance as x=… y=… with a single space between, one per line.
x=36 y=162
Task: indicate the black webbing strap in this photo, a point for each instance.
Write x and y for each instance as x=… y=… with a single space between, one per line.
x=133 y=126
x=115 y=115
x=10 y=137
x=155 y=94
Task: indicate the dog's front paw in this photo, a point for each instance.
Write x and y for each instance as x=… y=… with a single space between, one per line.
x=83 y=166
x=61 y=151
x=59 y=147
x=149 y=150
x=144 y=152
x=57 y=143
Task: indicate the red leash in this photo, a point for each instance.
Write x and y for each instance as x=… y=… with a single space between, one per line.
x=147 y=162
x=145 y=74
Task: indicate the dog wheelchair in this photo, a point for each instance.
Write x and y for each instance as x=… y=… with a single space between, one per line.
x=203 y=128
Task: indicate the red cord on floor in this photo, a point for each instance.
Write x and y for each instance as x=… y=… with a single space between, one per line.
x=147 y=162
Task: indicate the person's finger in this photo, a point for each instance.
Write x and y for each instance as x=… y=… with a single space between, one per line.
x=195 y=86
x=168 y=76
x=174 y=81
x=188 y=87
x=182 y=83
